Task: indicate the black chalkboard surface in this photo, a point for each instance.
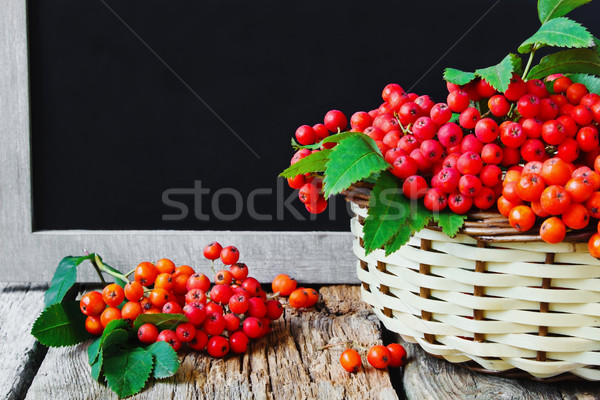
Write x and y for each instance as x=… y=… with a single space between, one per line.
x=168 y=115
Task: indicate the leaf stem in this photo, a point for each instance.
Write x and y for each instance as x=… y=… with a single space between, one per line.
x=108 y=271
x=529 y=61
x=98 y=270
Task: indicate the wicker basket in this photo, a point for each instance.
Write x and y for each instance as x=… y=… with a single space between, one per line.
x=491 y=298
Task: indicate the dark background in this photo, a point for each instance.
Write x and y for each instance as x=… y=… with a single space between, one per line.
x=113 y=127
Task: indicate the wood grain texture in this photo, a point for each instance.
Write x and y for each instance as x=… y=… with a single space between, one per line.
x=286 y=365
x=20 y=354
x=427 y=377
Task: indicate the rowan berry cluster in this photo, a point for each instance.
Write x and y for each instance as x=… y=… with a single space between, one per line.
x=221 y=316
x=531 y=151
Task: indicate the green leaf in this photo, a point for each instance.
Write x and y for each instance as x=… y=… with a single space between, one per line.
x=455 y=117
x=354 y=158
x=449 y=222
x=162 y=321
x=97 y=367
x=64 y=278
x=314 y=162
x=558 y=32
x=585 y=61
x=61 y=324
x=418 y=218
x=549 y=9
x=114 y=341
x=499 y=75
x=128 y=370
x=387 y=212
x=166 y=362
x=457 y=76
x=95 y=347
x=590 y=81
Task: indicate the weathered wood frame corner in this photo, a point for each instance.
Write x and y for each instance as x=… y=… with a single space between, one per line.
x=27 y=255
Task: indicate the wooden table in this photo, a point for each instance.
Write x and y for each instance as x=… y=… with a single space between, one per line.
x=286 y=365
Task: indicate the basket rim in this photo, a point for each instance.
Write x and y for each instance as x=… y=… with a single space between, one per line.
x=486 y=226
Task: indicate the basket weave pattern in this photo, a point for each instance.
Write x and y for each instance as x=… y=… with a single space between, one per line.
x=519 y=309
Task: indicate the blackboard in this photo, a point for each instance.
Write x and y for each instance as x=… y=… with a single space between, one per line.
x=122 y=93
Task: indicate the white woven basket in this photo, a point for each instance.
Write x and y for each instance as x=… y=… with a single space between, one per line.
x=518 y=309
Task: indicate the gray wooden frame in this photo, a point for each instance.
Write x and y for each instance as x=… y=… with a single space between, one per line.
x=312 y=257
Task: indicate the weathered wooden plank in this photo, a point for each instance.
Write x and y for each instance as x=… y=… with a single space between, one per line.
x=21 y=354
x=286 y=365
x=426 y=377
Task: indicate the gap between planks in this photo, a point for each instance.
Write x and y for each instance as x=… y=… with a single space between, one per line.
x=285 y=365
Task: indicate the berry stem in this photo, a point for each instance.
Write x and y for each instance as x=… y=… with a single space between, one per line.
x=130 y=272
x=96 y=268
x=529 y=61
x=212 y=266
x=101 y=267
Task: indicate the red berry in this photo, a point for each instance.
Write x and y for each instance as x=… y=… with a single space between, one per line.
x=232 y=322
x=469 y=185
x=239 y=271
x=195 y=313
x=532 y=127
x=397 y=352
x=484 y=89
x=217 y=346
x=498 y=105
x=435 y=199
x=230 y=255
x=529 y=106
x=533 y=150
x=214 y=308
x=459 y=203
x=306 y=135
x=221 y=294
x=450 y=134
x=200 y=340
x=92 y=303
x=575 y=92
x=172 y=307
x=274 y=309
x=198 y=281
x=321 y=131
x=379 y=356
x=447 y=179
x=170 y=337
x=440 y=113
x=360 y=121
x=491 y=154
x=537 y=87
x=404 y=166
x=513 y=135
x=238 y=342
x=469 y=117
x=295 y=183
x=186 y=332
x=253 y=327
x=147 y=333
x=414 y=187
x=469 y=163
x=335 y=120
x=587 y=138
x=350 y=360
x=485 y=199
x=214 y=324
x=432 y=150
x=458 y=100
x=424 y=128
x=516 y=88
x=490 y=175
x=486 y=130
x=548 y=110
x=252 y=286
x=561 y=84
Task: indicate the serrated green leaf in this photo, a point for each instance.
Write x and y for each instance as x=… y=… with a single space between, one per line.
x=166 y=362
x=162 y=321
x=64 y=278
x=61 y=324
x=95 y=347
x=498 y=76
x=558 y=32
x=387 y=211
x=549 y=9
x=449 y=222
x=353 y=159
x=97 y=367
x=590 y=81
x=418 y=218
x=585 y=61
x=314 y=162
x=128 y=370
x=114 y=341
x=457 y=76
